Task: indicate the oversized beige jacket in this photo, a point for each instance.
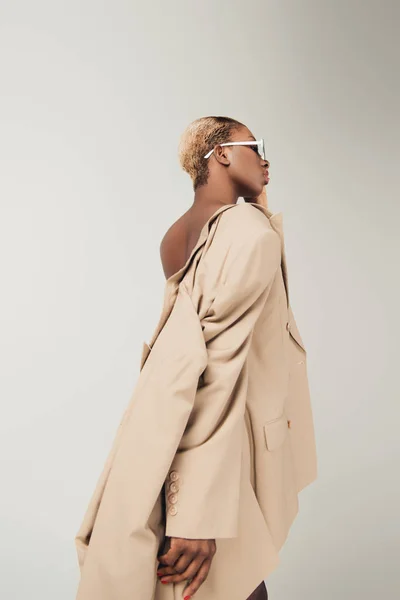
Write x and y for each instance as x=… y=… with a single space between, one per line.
x=218 y=437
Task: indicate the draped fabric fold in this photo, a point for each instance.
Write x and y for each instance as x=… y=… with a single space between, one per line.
x=217 y=439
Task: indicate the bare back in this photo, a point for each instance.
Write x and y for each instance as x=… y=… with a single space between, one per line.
x=180 y=239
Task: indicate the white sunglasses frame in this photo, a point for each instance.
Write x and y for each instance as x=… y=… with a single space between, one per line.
x=260 y=143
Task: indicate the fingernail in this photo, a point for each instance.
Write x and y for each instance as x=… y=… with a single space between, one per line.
x=159 y=573
x=163 y=581
x=187 y=597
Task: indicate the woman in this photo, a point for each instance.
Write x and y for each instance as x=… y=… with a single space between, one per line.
x=201 y=485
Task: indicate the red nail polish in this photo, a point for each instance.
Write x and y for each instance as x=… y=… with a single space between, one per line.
x=164 y=581
x=187 y=597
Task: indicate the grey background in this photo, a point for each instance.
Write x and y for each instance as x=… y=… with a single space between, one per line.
x=94 y=96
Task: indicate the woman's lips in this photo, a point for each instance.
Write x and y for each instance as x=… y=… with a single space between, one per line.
x=266 y=177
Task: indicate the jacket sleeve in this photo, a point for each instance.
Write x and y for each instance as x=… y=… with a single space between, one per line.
x=202 y=486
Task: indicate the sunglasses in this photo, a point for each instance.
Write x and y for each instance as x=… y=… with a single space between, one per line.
x=258 y=146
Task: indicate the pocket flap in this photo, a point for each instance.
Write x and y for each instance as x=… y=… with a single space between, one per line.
x=275 y=432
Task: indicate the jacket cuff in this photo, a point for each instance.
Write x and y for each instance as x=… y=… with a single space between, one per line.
x=197 y=495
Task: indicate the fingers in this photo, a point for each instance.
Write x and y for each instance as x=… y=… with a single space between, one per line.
x=169 y=558
x=178 y=567
x=198 y=579
x=190 y=571
x=186 y=560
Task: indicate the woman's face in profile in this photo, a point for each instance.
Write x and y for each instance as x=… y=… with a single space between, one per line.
x=247 y=169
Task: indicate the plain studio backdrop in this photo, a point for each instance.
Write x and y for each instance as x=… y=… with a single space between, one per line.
x=94 y=97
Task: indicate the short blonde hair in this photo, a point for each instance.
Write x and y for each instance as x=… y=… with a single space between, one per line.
x=198 y=139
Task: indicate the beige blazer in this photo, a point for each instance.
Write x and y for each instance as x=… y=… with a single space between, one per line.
x=218 y=437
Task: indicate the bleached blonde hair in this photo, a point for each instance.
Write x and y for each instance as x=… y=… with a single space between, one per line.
x=198 y=139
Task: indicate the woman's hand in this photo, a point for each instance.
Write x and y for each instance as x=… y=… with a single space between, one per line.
x=182 y=559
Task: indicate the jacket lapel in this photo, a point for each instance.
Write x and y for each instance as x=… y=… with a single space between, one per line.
x=276 y=221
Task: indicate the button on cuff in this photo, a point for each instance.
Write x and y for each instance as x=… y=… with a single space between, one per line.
x=173 y=487
x=174 y=475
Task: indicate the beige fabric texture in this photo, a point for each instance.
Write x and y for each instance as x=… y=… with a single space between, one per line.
x=218 y=438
